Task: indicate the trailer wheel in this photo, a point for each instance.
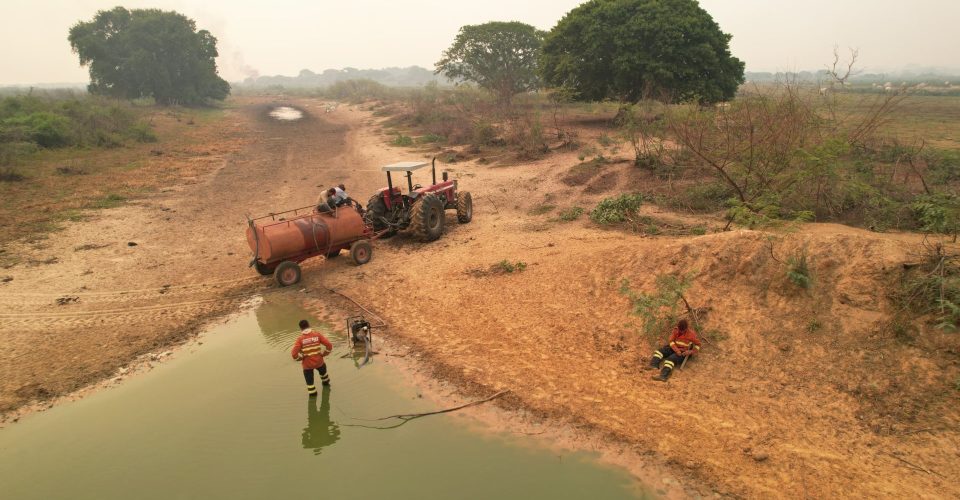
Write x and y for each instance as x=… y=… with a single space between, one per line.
x=287 y=273
x=427 y=217
x=464 y=207
x=263 y=269
x=361 y=252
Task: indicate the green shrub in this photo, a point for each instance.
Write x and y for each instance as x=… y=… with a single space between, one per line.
x=706 y=196
x=430 y=138
x=798 y=270
x=938 y=213
x=53 y=121
x=950 y=316
x=141 y=132
x=485 y=134
x=571 y=214
x=402 y=140
x=506 y=266
x=698 y=230
x=109 y=201
x=616 y=210
x=659 y=310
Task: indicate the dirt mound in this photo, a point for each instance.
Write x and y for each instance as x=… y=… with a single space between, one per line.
x=793 y=385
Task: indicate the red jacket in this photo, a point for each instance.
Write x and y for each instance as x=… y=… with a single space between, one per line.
x=681 y=342
x=310 y=344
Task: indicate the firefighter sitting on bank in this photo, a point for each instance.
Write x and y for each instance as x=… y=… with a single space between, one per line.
x=683 y=342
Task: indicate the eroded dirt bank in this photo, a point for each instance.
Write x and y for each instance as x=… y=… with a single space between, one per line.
x=774 y=407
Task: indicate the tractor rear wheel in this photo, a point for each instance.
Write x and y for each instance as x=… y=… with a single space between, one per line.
x=464 y=207
x=361 y=251
x=287 y=273
x=426 y=217
x=376 y=211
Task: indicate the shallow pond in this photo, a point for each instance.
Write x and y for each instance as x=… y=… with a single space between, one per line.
x=286 y=113
x=232 y=420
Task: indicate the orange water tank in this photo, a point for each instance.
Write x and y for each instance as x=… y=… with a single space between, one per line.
x=274 y=238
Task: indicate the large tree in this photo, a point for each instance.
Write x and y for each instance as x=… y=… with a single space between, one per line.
x=498 y=56
x=628 y=50
x=149 y=53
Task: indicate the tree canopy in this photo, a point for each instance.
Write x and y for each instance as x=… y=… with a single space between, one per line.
x=669 y=50
x=149 y=53
x=498 y=56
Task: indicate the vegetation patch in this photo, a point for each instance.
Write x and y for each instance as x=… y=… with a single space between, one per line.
x=500 y=268
x=570 y=214
x=542 y=209
x=617 y=210
x=660 y=309
x=109 y=201
x=402 y=140
x=798 y=269
x=579 y=174
x=603 y=183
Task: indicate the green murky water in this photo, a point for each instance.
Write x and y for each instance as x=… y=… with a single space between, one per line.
x=232 y=420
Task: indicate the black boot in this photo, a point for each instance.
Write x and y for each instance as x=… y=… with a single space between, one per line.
x=664 y=375
x=654 y=363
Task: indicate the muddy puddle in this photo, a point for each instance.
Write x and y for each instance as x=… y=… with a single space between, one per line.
x=286 y=113
x=231 y=419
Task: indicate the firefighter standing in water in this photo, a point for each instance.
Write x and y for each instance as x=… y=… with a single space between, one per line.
x=309 y=350
x=683 y=342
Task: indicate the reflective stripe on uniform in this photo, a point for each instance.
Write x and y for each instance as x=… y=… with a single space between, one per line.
x=668 y=364
x=658 y=355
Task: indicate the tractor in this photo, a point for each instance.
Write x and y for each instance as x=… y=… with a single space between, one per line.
x=420 y=210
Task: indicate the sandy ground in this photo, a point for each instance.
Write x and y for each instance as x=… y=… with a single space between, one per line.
x=773 y=408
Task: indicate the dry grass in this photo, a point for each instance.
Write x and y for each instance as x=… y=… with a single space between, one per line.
x=54 y=191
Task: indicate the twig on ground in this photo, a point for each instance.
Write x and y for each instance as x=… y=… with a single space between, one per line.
x=917 y=467
x=411 y=416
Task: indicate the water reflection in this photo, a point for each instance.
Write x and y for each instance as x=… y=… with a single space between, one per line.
x=320 y=431
x=286 y=113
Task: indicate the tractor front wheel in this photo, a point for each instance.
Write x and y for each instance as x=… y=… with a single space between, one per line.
x=464 y=207
x=287 y=273
x=361 y=252
x=426 y=220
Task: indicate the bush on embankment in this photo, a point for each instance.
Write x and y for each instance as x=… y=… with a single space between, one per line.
x=31 y=123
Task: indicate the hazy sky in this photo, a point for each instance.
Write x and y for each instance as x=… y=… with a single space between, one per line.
x=285 y=36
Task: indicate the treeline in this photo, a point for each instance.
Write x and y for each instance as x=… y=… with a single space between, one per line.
x=33 y=122
x=413 y=76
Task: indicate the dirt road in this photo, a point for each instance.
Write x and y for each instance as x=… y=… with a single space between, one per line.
x=768 y=411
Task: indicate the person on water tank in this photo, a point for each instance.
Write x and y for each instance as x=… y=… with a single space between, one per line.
x=310 y=349
x=343 y=199
x=327 y=201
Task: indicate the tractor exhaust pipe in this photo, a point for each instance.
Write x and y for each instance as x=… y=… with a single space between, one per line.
x=433 y=167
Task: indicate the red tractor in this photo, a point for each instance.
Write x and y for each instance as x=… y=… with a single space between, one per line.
x=421 y=210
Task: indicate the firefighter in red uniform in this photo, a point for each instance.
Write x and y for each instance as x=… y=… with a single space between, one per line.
x=683 y=343
x=309 y=350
